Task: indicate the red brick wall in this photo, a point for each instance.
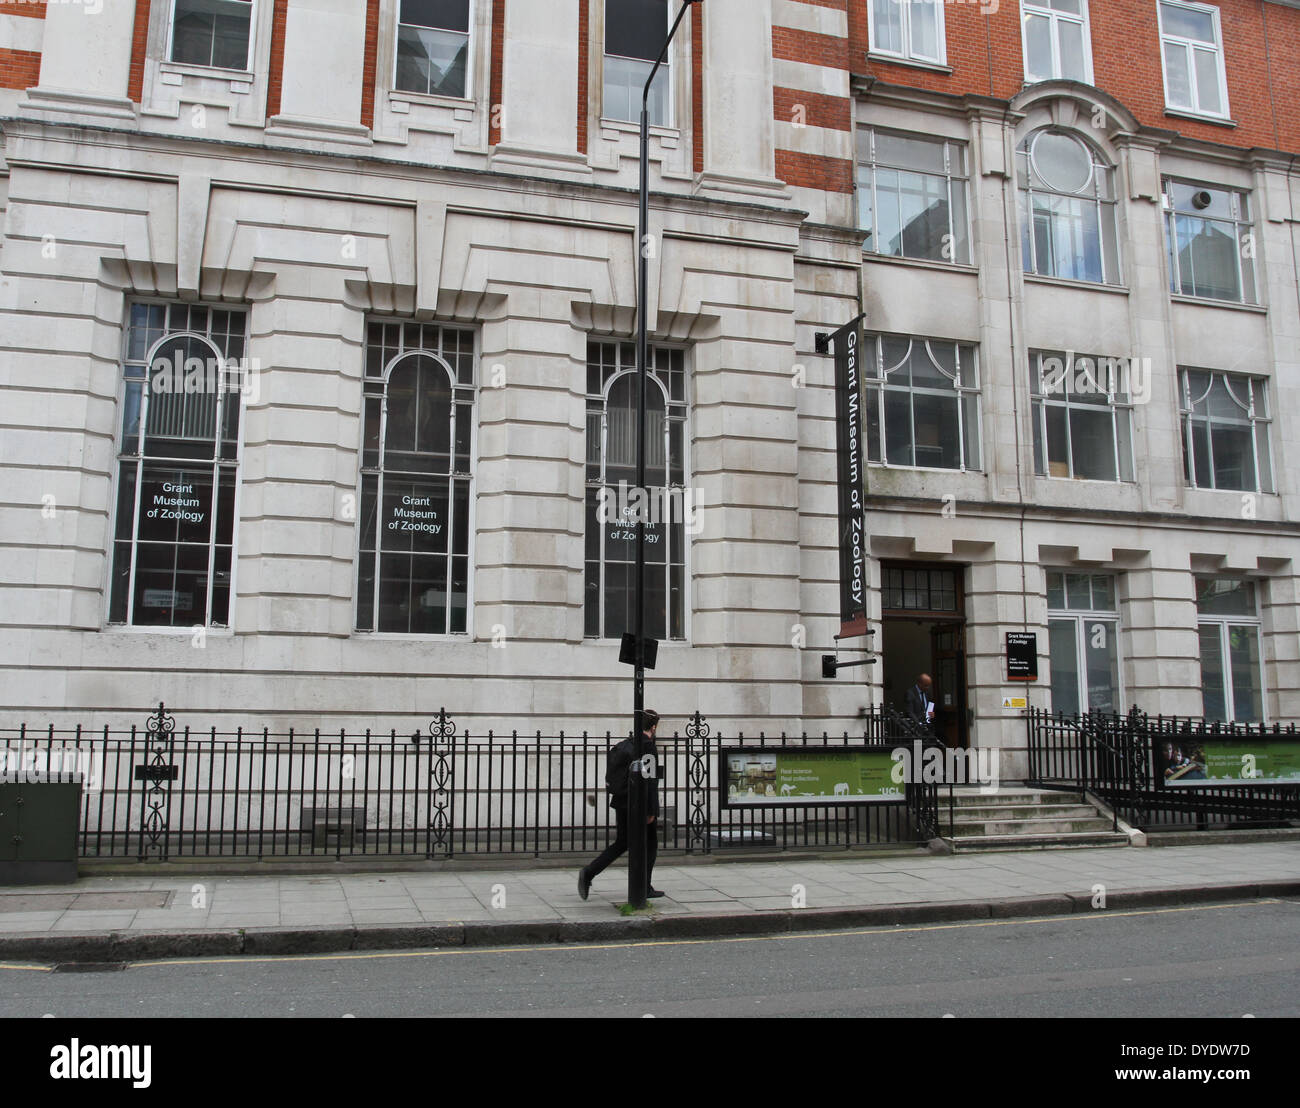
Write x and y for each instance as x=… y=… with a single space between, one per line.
x=985 y=54
x=23 y=7
x=139 y=41
x=370 y=64
x=19 y=68
x=697 y=89
x=813 y=171
x=818 y=109
x=275 y=78
x=584 y=46
x=497 y=69
x=1284 y=65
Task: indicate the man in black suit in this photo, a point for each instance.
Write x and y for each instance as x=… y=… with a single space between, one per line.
x=920 y=702
x=616 y=774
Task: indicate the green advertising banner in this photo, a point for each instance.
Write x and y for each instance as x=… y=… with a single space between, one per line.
x=1238 y=762
x=798 y=776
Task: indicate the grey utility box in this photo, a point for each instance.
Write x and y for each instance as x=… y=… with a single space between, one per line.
x=39 y=819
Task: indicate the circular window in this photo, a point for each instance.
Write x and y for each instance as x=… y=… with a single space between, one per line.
x=1061 y=162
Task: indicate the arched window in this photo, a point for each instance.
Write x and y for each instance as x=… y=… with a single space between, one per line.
x=173 y=536
x=612 y=502
x=413 y=574
x=1067 y=209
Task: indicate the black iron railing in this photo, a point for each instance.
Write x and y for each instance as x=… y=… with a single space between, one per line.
x=1129 y=762
x=168 y=790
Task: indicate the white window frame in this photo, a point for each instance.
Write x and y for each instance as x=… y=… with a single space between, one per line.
x=470 y=59
x=1106 y=209
x=1188 y=46
x=379 y=472
x=1115 y=406
x=225 y=396
x=667 y=69
x=1187 y=414
x=248 y=59
x=1243 y=225
x=1083 y=619
x=906 y=53
x=1039 y=8
x=878 y=379
x=867 y=163
x=1224 y=623
x=652 y=381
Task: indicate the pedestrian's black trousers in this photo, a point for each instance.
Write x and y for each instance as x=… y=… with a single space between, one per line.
x=619 y=846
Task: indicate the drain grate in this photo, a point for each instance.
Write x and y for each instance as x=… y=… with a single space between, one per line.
x=88 y=967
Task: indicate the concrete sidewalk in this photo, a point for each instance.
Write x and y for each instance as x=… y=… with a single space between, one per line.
x=129 y=918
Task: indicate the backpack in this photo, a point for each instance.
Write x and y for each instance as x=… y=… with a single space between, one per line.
x=616 y=763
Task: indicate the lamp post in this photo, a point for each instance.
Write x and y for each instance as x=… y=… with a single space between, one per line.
x=637 y=884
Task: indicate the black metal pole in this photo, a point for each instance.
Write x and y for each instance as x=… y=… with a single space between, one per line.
x=638 y=885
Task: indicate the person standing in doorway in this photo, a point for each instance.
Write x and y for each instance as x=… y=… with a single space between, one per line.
x=920 y=701
x=616 y=775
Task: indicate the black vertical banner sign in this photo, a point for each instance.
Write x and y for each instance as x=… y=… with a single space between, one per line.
x=847 y=347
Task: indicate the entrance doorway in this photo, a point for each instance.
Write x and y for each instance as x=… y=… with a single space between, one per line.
x=924 y=631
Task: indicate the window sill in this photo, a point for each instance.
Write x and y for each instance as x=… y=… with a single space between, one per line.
x=398 y=636
x=235 y=76
x=914 y=63
x=1210 y=302
x=400 y=100
x=669 y=643
x=628 y=127
x=886 y=467
x=869 y=255
x=1199 y=117
x=1087 y=480
x=1072 y=283
x=218 y=631
x=1230 y=492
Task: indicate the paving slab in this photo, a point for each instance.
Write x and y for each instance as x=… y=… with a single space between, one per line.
x=299 y=913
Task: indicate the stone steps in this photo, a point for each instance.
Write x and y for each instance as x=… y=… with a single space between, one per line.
x=1025 y=819
x=969 y=844
x=1023 y=811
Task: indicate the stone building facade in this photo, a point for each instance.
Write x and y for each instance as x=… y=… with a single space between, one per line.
x=404 y=234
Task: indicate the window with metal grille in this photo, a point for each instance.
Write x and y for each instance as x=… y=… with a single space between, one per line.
x=183 y=376
x=416 y=479
x=612 y=503
x=919 y=590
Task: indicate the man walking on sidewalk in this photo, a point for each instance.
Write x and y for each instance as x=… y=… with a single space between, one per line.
x=620 y=758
